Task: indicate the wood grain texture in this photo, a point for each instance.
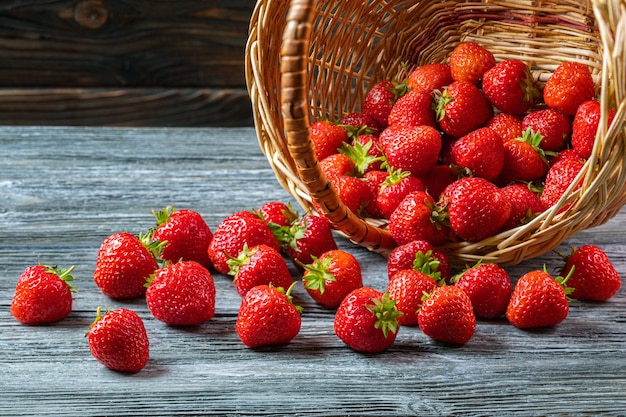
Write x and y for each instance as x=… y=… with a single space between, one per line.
x=63 y=190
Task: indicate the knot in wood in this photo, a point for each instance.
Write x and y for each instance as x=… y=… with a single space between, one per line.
x=91 y=14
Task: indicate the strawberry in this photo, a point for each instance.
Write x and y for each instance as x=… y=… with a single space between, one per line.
x=259 y=265
x=469 y=61
x=446 y=315
x=558 y=179
x=510 y=87
x=538 y=300
x=359 y=123
x=419 y=254
x=417 y=217
x=311 y=235
x=570 y=85
x=375 y=180
x=397 y=185
x=476 y=208
x=592 y=275
x=507 y=126
x=568 y=153
x=119 y=341
x=525 y=204
x=415 y=108
x=481 y=152
x=489 y=288
x=429 y=77
x=380 y=99
x=411 y=148
x=354 y=192
x=181 y=294
x=277 y=214
x=407 y=288
x=327 y=137
x=461 y=107
x=332 y=276
x=233 y=232
x=267 y=316
x=338 y=164
x=524 y=160
x=585 y=127
x=439 y=178
x=43 y=294
x=367 y=320
x=123 y=264
x=186 y=233
x=554 y=127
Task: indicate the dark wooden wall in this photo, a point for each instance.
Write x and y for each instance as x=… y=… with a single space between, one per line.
x=124 y=62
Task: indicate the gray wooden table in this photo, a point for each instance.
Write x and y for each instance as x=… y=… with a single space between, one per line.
x=63 y=190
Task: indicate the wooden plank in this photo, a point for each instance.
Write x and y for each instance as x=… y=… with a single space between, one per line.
x=62 y=190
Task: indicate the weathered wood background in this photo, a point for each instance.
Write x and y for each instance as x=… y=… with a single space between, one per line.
x=124 y=62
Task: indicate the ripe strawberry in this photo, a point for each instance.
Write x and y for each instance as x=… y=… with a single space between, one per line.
x=311 y=235
x=332 y=276
x=555 y=128
x=411 y=148
x=397 y=185
x=415 y=108
x=592 y=275
x=259 y=265
x=477 y=208
x=570 y=85
x=407 y=288
x=524 y=160
x=417 y=217
x=558 y=179
x=510 y=87
x=439 y=178
x=354 y=192
x=375 y=180
x=585 y=127
x=119 y=341
x=507 y=126
x=43 y=294
x=327 y=137
x=123 y=264
x=419 y=255
x=538 y=300
x=469 y=61
x=277 y=214
x=380 y=99
x=360 y=123
x=481 y=151
x=338 y=164
x=461 y=108
x=567 y=153
x=186 y=233
x=525 y=204
x=489 y=288
x=233 y=232
x=181 y=294
x=429 y=77
x=267 y=316
x=367 y=320
x=447 y=315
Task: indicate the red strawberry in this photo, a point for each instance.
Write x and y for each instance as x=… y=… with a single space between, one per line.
x=397 y=185
x=489 y=288
x=327 y=138
x=568 y=87
x=510 y=87
x=538 y=300
x=568 y=153
x=418 y=254
x=278 y=213
x=481 y=151
x=415 y=108
x=477 y=208
x=447 y=315
x=461 y=108
x=555 y=128
x=186 y=233
x=267 y=316
x=411 y=148
x=525 y=204
x=417 y=217
x=360 y=124
x=558 y=179
x=123 y=264
x=354 y=192
x=507 y=126
x=43 y=294
x=338 y=164
x=407 y=287
x=119 y=341
x=312 y=235
x=591 y=274
x=332 y=276
x=367 y=320
x=585 y=127
x=375 y=180
x=524 y=160
x=380 y=99
x=181 y=294
x=439 y=178
x=233 y=233
x=259 y=265
x=429 y=77
x=469 y=61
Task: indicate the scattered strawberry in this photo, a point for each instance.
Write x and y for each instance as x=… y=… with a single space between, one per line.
x=469 y=61
x=554 y=127
x=446 y=315
x=380 y=99
x=367 y=320
x=119 y=341
x=570 y=85
x=510 y=87
x=332 y=276
x=461 y=108
x=411 y=148
x=481 y=151
x=267 y=316
x=311 y=235
x=507 y=126
x=407 y=287
x=591 y=274
x=489 y=288
x=429 y=77
x=327 y=138
x=259 y=265
x=419 y=254
x=525 y=204
x=43 y=294
x=415 y=108
x=585 y=127
x=417 y=217
x=558 y=179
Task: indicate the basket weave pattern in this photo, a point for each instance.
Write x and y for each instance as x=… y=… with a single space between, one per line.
x=309 y=60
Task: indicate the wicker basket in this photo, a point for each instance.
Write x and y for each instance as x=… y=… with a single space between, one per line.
x=307 y=60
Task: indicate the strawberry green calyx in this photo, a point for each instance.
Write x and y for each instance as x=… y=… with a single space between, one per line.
x=458 y=276
x=235 y=263
x=360 y=155
x=163 y=216
x=64 y=274
x=288 y=295
x=562 y=281
x=318 y=273
x=386 y=313
x=98 y=317
x=154 y=247
x=394 y=177
x=428 y=265
x=534 y=139
x=441 y=100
